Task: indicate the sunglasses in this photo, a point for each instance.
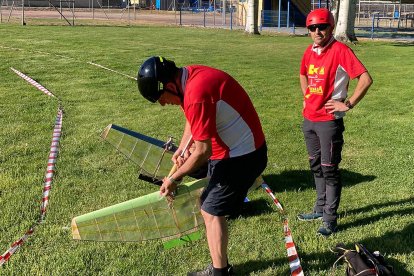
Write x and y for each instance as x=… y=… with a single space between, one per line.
x=320 y=27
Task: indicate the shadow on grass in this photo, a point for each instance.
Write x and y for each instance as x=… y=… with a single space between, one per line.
x=254 y=208
x=392 y=242
x=403 y=44
x=380 y=205
x=255 y=266
x=409 y=210
x=303 y=179
x=373 y=219
x=324 y=261
x=319 y=262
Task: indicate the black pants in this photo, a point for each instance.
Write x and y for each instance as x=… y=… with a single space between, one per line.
x=324 y=141
x=230 y=181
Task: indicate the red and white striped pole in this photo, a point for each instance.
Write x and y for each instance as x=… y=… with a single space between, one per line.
x=54 y=150
x=50 y=170
x=33 y=82
x=293 y=257
x=16 y=245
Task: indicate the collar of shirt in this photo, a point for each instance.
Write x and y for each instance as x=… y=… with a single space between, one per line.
x=184 y=77
x=318 y=49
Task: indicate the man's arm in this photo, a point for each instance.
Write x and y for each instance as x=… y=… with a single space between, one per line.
x=198 y=158
x=364 y=82
x=303 y=83
x=304 y=86
x=184 y=145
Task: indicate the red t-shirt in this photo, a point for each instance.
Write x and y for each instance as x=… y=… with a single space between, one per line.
x=218 y=108
x=328 y=74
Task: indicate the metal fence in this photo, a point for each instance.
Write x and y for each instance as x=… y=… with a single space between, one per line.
x=230 y=15
x=390 y=14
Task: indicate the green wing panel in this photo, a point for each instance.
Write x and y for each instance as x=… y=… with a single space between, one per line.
x=148 y=153
x=144 y=218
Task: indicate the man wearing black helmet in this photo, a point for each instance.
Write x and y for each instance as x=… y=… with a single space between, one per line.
x=225 y=130
x=326 y=68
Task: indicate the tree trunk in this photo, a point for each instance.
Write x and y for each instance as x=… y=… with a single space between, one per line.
x=345 y=10
x=252 y=16
x=335 y=9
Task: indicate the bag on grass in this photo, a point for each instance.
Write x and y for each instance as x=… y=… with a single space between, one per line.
x=361 y=262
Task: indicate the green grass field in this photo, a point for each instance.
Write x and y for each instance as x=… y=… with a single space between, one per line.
x=377 y=207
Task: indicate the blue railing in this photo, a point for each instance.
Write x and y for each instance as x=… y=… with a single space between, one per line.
x=270 y=18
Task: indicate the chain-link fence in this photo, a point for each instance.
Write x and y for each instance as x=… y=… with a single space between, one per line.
x=228 y=14
x=189 y=12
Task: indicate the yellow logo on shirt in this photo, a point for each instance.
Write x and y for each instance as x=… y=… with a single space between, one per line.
x=316 y=90
x=316 y=70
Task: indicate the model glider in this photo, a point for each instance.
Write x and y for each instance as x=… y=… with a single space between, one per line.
x=154 y=217
x=150 y=216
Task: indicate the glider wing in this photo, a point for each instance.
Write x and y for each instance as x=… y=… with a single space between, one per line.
x=153 y=156
x=144 y=218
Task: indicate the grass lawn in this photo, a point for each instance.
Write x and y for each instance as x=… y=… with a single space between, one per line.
x=377 y=207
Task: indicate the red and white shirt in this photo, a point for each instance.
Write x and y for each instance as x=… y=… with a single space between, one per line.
x=328 y=70
x=218 y=108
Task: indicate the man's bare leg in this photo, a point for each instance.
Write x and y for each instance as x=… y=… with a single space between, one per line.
x=217 y=238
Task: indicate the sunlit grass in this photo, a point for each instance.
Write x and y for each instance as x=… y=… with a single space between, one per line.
x=377 y=204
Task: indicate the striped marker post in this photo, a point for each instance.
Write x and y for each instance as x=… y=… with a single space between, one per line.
x=33 y=82
x=46 y=189
x=54 y=150
x=16 y=245
x=109 y=69
x=293 y=257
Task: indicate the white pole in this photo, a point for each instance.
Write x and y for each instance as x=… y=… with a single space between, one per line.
x=359 y=11
x=214 y=12
x=224 y=13
x=23 y=13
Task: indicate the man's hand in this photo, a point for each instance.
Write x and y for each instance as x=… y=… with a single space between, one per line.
x=332 y=106
x=167 y=188
x=178 y=158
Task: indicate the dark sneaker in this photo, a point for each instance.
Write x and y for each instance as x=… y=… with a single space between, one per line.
x=311 y=216
x=327 y=229
x=209 y=271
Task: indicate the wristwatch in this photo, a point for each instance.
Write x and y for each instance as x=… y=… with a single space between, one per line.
x=348 y=104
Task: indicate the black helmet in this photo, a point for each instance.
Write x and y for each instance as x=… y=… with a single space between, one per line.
x=154 y=72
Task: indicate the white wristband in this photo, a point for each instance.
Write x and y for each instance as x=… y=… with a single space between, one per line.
x=172 y=180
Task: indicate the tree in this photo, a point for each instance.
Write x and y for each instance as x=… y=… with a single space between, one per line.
x=344 y=12
x=252 y=26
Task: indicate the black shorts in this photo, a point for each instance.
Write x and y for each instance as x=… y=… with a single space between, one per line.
x=230 y=180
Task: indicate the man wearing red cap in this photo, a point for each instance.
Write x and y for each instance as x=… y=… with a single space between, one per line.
x=327 y=65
